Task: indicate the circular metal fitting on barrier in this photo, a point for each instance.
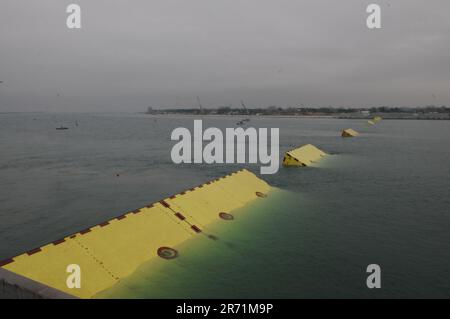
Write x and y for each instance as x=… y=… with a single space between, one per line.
x=167 y=253
x=226 y=216
x=262 y=195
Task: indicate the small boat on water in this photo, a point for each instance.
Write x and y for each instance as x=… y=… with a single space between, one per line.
x=62 y=128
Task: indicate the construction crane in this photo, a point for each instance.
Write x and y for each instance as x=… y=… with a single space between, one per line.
x=246 y=111
x=200 y=104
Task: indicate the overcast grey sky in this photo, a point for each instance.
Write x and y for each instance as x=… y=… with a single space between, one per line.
x=133 y=54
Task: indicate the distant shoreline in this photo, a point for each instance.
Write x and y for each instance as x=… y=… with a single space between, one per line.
x=294 y=116
x=385 y=116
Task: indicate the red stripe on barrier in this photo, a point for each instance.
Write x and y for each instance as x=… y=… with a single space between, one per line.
x=172 y=197
x=33 y=251
x=73 y=236
x=180 y=216
x=196 y=229
x=103 y=224
x=57 y=242
x=164 y=203
x=136 y=211
x=85 y=231
x=150 y=205
x=182 y=193
x=6 y=262
x=121 y=217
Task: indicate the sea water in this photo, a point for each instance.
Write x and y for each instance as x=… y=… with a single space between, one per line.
x=380 y=198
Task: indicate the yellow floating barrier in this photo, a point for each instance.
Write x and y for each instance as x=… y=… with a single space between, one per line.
x=371 y=122
x=112 y=250
x=377 y=119
x=349 y=133
x=303 y=156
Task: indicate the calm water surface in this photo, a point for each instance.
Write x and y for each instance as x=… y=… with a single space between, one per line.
x=381 y=198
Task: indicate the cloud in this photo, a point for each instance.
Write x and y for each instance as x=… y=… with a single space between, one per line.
x=130 y=55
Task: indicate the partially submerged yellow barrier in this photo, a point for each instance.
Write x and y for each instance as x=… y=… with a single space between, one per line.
x=114 y=249
x=349 y=133
x=375 y=120
x=303 y=156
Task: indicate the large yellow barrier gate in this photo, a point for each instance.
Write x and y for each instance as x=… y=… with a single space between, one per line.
x=114 y=249
x=349 y=133
x=303 y=156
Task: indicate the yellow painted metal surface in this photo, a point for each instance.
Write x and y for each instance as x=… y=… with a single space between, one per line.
x=377 y=119
x=114 y=249
x=349 y=133
x=222 y=195
x=303 y=156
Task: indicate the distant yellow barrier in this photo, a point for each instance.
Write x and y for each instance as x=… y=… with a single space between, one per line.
x=303 y=156
x=349 y=133
x=110 y=251
x=375 y=120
